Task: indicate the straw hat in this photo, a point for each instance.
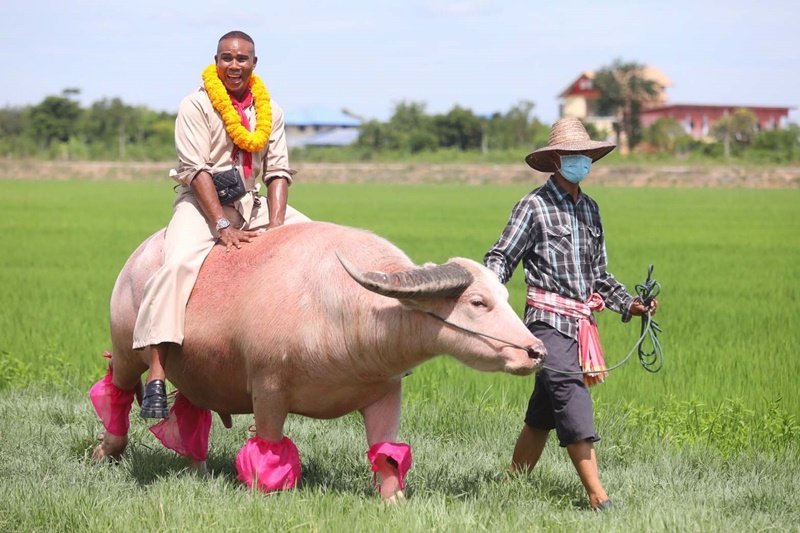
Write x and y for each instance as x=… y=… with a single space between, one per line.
x=567 y=135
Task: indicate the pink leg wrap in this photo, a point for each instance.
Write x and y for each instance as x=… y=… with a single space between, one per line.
x=186 y=429
x=112 y=404
x=399 y=452
x=267 y=465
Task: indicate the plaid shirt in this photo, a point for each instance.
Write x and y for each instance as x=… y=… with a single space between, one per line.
x=561 y=243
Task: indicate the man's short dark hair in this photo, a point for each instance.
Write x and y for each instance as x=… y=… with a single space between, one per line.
x=236 y=34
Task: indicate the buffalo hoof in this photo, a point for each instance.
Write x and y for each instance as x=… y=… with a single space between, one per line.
x=199 y=468
x=390 y=490
x=395 y=499
x=111 y=448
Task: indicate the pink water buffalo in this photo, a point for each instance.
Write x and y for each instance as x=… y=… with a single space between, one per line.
x=314 y=319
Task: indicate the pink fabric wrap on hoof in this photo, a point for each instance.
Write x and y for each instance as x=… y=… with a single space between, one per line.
x=399 y=452
x=112 y=404
x=267 y=465
x=186 y=429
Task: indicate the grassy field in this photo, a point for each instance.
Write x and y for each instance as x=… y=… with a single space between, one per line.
x=708 y=443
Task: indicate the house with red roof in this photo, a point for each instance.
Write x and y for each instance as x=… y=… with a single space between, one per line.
x=579 y=100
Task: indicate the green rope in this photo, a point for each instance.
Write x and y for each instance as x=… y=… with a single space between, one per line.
x=651 y=356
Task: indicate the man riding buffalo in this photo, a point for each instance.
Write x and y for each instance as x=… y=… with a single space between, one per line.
x=228 y=134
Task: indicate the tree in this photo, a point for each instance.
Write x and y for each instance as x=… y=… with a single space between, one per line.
x=740 y=127
x=516 y=128
x=109 y=129
x=779 y=145
x=667 y=135
x=13 y=121
x=459 y=128
x=411 y=128
x=421 y=140
x=374 y=136
x=116 y=124
x=55 y=119
x=409 y=116
x=15 y=139
x=624 y=91
x=159 y=136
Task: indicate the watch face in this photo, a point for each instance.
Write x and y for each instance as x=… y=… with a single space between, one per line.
x=223 y=223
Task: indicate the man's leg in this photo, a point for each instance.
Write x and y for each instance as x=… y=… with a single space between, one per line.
x=585 y=460
x=158 y=358
x=160 y=320
x=528 y=449
x=539 y=420
x=571 y=405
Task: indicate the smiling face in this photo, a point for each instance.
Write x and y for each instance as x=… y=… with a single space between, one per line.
x=235 y=59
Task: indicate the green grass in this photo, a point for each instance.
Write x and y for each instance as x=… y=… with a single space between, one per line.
x=461 y=449
x=338 y=154
x=708 y=443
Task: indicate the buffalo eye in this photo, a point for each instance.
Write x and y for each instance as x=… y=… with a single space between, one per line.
x=477 y=302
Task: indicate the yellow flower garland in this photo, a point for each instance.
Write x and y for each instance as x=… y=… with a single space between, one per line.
x=250 y=141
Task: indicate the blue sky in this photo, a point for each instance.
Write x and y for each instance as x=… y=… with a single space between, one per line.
x=369 y=55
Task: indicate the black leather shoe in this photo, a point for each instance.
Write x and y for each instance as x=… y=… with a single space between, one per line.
x=154 y=403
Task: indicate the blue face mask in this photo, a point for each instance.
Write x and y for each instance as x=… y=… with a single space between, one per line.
x=575 y=168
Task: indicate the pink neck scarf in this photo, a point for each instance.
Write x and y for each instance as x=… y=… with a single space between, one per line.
x=247 y=157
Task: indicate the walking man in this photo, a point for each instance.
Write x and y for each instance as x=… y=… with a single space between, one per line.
x=555 y=230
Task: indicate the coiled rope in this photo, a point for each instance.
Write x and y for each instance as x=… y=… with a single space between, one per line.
x=648 y=347
x=651 y=356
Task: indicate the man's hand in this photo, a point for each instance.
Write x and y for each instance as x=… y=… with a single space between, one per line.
x=232 y=237
x=206 y=194
x=639 y=309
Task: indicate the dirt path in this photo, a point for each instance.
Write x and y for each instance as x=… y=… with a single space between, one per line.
x=631 y=175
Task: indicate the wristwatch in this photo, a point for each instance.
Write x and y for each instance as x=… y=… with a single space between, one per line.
x=223 y=223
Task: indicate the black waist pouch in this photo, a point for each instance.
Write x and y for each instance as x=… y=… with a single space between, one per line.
x=229 y=185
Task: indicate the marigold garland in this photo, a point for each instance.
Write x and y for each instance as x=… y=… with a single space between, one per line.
x=250 y=141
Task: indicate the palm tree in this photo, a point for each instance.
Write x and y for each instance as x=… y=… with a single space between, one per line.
x=624 y=91
x=741 y=127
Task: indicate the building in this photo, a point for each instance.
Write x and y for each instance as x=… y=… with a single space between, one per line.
x=697 y=119
x=579 y=100
x=318 y=126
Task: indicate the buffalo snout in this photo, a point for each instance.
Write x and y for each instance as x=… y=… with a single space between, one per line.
x=537 y=351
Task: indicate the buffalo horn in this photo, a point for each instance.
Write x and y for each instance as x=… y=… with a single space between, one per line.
x=449 y=279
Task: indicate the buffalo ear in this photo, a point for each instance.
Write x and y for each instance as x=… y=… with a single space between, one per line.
x=430 y=281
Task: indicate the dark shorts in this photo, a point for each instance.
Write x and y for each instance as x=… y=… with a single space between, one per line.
x=559 y=401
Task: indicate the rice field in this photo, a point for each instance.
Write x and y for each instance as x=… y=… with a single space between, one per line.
x=708 y=434
x=728 y=261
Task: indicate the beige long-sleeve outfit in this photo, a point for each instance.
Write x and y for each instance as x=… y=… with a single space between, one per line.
x=203 y=145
